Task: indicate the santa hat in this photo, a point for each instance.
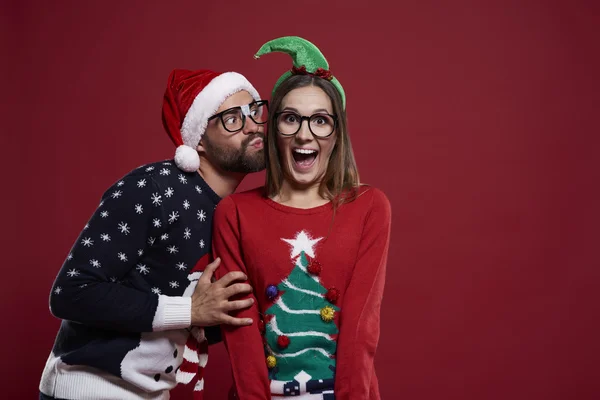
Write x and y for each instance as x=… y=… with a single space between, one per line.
x=191 y=98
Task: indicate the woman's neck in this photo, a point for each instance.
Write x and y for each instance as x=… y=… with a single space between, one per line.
x=300 y=196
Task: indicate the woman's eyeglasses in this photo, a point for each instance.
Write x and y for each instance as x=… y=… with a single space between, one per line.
x=320 y=125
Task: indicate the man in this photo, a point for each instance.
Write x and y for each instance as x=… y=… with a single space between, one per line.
x=128 y=293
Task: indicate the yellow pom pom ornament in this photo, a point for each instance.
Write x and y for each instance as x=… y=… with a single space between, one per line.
x=271 y=361
x=327 y=314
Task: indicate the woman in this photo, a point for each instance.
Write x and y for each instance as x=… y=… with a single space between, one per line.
x=313 y=244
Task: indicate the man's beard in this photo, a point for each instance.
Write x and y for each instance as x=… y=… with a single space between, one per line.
x=236 y=160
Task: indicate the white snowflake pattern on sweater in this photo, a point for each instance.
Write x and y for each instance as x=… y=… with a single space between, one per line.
x=126 y=256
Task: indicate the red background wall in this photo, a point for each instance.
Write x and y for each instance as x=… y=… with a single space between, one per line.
x=478 y=119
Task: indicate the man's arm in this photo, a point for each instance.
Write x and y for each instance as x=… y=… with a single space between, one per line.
x=89 y=288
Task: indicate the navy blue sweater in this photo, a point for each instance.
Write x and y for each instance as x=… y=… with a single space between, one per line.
x=126 y=280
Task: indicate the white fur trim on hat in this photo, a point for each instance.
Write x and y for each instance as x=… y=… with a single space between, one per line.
x=187 y=159
x=206 y=104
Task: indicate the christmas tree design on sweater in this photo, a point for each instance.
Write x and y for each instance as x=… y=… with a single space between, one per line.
x=300 y=332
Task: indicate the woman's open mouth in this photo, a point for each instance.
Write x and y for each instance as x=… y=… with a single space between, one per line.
x=304 y=159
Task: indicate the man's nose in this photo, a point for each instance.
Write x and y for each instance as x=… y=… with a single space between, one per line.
x=250 y=126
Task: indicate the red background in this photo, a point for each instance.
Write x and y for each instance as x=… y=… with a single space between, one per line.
x=478 y=119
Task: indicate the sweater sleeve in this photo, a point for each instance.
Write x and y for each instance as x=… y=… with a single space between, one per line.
x=244 y=343
x=91 y=287
x=359 y=317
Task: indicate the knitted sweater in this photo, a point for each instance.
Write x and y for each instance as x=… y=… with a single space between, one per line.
x=318 y=282
x=123 y=292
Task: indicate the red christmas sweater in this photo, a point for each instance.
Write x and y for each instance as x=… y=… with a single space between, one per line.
x=318 y=282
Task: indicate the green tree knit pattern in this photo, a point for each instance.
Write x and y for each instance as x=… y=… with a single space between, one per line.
x=297 y=314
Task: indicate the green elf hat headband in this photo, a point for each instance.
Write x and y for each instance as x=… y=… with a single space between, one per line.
x=307 y=59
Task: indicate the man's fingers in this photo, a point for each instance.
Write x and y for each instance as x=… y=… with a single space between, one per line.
x=209 y=271
x=238 y=288
x=229 y=320
x=230 y=277
x=239 y=304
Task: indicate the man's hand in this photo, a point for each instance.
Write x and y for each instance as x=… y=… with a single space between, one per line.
x=210 y=300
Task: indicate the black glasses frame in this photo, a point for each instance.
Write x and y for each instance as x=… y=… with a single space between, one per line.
x=257 y=103
x=304 y=118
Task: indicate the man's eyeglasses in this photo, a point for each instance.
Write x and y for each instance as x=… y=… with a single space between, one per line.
x=234 y=119
x=320 y=125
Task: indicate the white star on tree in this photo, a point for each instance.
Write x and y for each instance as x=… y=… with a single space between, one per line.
x=57 y=290
x=70 y=257
x=201 y=215
x=124 y=228
x=140 y=252
x=87 y=242
x=164 y=236
x=139 y=209
x=174 y=284
x=187 y=233
x=172 y=249
x=202 y=244
x=181 y=266
x=169 y=192
x=95 y=263
x=173 y=217
x=105 y=237
x=166 y=163
x=186 y=205
x=141 y=183
x=155 y=290
x=86 y=227
x=198 y=189
x=302 y=242
x=151 y=241
x=104 y=214
x=165 y=172
x=150 y=168
x=113 y=279
x=156 y=223
x=182 y=178
x=120 y=183
x=117 y=194
x=143 y=269
x=72 y=272
x=122 y=256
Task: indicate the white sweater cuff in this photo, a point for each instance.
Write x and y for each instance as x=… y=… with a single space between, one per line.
x=172 y=313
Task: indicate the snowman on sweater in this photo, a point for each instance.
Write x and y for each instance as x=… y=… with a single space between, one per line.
x=183 y=353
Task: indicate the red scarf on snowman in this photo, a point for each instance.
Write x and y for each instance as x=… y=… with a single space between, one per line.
x=195 y=353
